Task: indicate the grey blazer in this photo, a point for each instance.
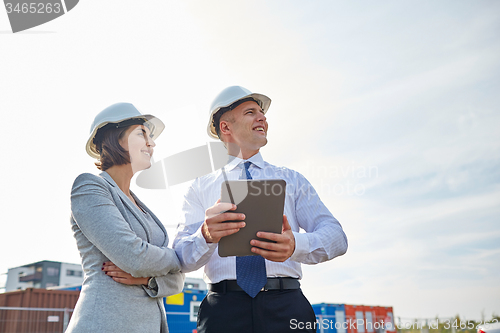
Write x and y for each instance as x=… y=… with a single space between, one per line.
x=109 y=227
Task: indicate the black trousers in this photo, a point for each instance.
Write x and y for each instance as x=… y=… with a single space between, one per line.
x=272 y=311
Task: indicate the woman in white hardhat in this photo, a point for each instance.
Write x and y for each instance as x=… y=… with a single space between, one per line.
x=127 y=264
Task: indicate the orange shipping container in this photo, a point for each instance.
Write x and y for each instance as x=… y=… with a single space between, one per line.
x=355 y=318
x=370 y=319
x=385 y=315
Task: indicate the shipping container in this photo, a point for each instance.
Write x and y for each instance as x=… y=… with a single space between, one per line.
x=370 y=319
x=385 y=316
x=42 y=310
x=73 y=287
x=330 y=318
x=36 y=310
x=355 y=318
x=182 y=310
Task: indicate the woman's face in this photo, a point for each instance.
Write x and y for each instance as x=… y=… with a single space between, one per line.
x=137 y=141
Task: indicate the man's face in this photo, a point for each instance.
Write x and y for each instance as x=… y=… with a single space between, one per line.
x=247 y=126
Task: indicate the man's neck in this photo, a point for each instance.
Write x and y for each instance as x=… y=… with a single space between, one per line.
x=235 y=150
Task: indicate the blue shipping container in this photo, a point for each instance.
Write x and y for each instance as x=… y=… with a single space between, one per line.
x=182 y=310
x=330 y=318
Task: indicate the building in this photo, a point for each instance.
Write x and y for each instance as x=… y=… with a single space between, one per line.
x=43 y=274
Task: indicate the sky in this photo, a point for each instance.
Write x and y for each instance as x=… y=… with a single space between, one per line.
x=388 y=108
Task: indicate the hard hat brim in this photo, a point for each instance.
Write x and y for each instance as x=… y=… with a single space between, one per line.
x=265 y=101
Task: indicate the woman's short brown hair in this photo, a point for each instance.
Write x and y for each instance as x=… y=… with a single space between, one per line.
x=107 y=143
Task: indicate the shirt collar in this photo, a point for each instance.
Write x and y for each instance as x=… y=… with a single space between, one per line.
x=256 y=160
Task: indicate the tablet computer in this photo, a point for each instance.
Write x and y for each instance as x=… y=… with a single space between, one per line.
x=262 y=202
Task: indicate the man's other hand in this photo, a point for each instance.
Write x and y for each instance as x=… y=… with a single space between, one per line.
x=279 y=251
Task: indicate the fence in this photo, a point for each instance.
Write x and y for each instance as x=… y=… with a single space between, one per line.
x=34 y=320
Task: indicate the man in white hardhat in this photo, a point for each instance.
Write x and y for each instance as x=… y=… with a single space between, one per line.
x=253 y=293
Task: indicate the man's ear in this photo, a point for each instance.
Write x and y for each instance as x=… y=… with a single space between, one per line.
x=224 y=127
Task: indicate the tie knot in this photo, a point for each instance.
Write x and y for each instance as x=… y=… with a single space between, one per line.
x=245 y=173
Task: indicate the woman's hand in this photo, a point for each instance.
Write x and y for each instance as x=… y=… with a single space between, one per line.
x=121 y=276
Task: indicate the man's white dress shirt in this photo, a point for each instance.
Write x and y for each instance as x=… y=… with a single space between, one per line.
x=323 y=239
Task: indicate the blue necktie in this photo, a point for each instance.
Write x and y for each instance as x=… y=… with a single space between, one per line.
x=251 y=273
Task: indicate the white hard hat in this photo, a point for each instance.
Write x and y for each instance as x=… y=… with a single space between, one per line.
x=227 y=97
x=118 y=113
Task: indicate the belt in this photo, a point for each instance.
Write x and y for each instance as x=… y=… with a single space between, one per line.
x=279 y=283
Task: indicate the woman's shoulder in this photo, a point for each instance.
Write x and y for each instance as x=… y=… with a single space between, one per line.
x=90 y=184
x=89 y=179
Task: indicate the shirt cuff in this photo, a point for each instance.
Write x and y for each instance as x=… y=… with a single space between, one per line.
x=202 y=246
x=301 y=246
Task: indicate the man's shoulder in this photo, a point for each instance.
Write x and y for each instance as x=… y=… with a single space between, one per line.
x=207 y=180
x=282 y=171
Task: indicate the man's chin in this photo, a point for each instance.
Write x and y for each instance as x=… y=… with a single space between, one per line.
x=260 y=143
